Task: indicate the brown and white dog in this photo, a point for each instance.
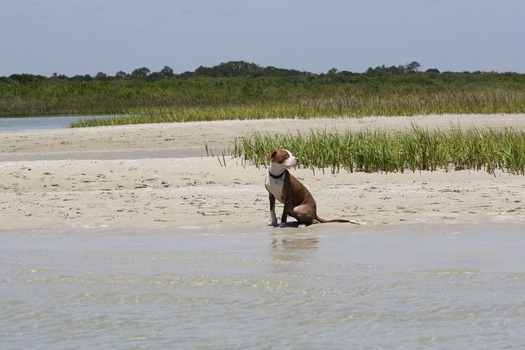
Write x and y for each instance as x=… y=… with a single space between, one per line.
x=283 y=186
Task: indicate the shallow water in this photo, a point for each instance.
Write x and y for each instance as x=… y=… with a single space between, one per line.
x=40 y=123
x=325 y=286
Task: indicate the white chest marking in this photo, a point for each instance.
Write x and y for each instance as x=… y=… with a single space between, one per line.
x=275 y=186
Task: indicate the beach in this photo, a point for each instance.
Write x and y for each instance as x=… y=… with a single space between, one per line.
x=159 y=176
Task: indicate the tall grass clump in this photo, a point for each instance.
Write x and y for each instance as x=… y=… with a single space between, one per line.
x=414 y=150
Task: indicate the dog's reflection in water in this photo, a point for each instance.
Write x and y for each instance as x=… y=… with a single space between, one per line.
x=293 y=247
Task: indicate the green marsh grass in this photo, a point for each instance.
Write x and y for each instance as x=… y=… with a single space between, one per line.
x=350 y=104
x=382 y=151
x=195 y=113
x=210 y=98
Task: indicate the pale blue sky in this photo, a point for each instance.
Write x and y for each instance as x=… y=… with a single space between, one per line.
x=90 y=36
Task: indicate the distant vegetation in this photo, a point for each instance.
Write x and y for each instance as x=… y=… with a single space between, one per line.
x=228 y=69
x=241 y=90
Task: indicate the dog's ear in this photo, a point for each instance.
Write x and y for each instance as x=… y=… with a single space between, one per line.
x=269 y=156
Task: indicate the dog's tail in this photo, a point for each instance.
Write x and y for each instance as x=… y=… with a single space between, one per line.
x=337 y=220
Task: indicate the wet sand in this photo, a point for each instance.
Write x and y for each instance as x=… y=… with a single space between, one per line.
x=158 y=176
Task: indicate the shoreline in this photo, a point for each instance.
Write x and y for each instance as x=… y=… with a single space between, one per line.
x=158 y=176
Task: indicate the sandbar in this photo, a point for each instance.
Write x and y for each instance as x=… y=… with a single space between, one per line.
x=159 y=176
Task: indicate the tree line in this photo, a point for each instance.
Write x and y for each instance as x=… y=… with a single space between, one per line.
x=223 y=70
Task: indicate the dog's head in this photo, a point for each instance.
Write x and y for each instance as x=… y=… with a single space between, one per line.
x=282 y=158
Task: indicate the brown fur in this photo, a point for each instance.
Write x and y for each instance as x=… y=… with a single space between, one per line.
x=298 y=201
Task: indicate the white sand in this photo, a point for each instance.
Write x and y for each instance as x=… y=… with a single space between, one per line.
x=158 y=176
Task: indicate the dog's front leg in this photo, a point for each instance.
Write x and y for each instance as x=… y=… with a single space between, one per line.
x=272 y=210
x=285 y=214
